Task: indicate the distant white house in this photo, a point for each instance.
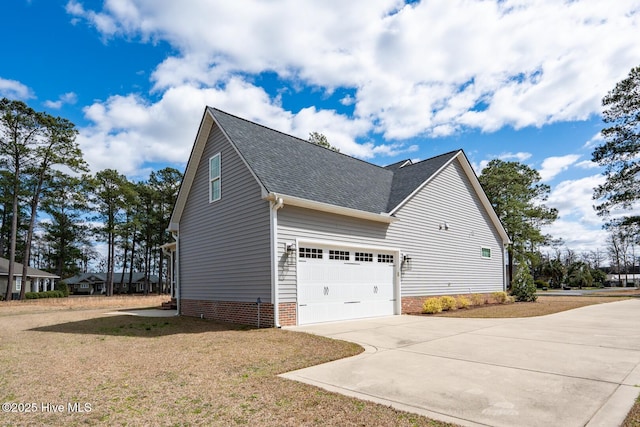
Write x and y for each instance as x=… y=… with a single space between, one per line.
x=622 y=279
x=37 y=280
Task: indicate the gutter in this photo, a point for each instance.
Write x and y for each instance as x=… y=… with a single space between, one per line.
x=327 y=207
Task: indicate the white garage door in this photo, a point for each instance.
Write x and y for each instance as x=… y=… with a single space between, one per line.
x=336 y=283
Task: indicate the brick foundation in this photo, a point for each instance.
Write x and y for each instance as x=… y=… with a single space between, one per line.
x=287 y=314
x=245 y=313
x=411 y=305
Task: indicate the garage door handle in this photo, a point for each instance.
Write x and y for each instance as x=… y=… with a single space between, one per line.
x=326 y=290
x=352 y=302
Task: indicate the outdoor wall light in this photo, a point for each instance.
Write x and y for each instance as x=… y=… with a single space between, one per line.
x=444 y=226
x=406 y=262
x=291 y=249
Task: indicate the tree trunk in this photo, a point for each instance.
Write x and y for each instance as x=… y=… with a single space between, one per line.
x=133 y=252
x=14 y=235
x=27 y=247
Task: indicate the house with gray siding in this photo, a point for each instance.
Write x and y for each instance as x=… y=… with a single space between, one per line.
x=37 y=280
x=274 y=229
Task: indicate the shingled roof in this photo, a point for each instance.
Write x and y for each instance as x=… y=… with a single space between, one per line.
x=292 y=166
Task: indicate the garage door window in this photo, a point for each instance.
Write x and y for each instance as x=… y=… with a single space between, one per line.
x=385 y=258
x=364 y=256
x=339 y=255
x=310 y=253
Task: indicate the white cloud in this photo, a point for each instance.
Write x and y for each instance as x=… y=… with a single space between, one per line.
x=587 y=164
x=577 y=236
x=518 y=157
x=13 y=89
x=127 y=131
x=552 y=166
x=429 y=68
x=67 y=98
x=596 y=139
x=578 y=224
x=575 y=198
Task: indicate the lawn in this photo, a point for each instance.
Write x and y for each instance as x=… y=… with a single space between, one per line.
x=544 y=305
x=127 y=370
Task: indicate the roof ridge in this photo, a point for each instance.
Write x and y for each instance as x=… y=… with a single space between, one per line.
x=435 y=157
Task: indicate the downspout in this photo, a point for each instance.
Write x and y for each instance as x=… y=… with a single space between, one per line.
x=505 y=274
x=275 y=203
x=176 y=273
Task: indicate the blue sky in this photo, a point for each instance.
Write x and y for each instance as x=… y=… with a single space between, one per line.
x=383 y=80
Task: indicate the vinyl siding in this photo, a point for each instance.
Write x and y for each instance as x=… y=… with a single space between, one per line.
x=224 y=245
x=443 y=261
x=448 y=261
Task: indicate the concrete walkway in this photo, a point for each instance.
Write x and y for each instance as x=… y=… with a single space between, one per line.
x=576 y=368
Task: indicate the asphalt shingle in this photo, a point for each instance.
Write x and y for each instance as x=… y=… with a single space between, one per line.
x=292 y=166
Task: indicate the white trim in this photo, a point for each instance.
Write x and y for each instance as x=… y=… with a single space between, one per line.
x=275 y=286
x=421 y=186
x=397 y=255
x=206 y=124
x=343 y=244
x=482 y=248
x=326 y=207
x=217 y=178
x=473 y=179
x=202 y=136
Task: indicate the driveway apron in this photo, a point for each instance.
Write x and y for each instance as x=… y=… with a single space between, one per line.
x=575 y=368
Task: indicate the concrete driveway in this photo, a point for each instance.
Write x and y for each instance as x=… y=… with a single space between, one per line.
x=575 y=368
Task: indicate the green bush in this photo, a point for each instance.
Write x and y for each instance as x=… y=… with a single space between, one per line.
x=448 y=303
x=523 y=287
x=63 y=287
x=432 y=306
x=47 y=294
x=463 y=302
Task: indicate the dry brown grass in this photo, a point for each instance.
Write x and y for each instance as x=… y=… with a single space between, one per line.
x=544 y=305
x=80 y=303
x=169 y=371
x=633 y=417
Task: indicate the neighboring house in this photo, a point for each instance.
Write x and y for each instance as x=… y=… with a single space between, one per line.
x=623 y=279
x=95 y=283
x=37 y=280
x=314 y=235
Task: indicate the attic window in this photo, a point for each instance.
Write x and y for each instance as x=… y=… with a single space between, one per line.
x=486 y=252
x=214 y=178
